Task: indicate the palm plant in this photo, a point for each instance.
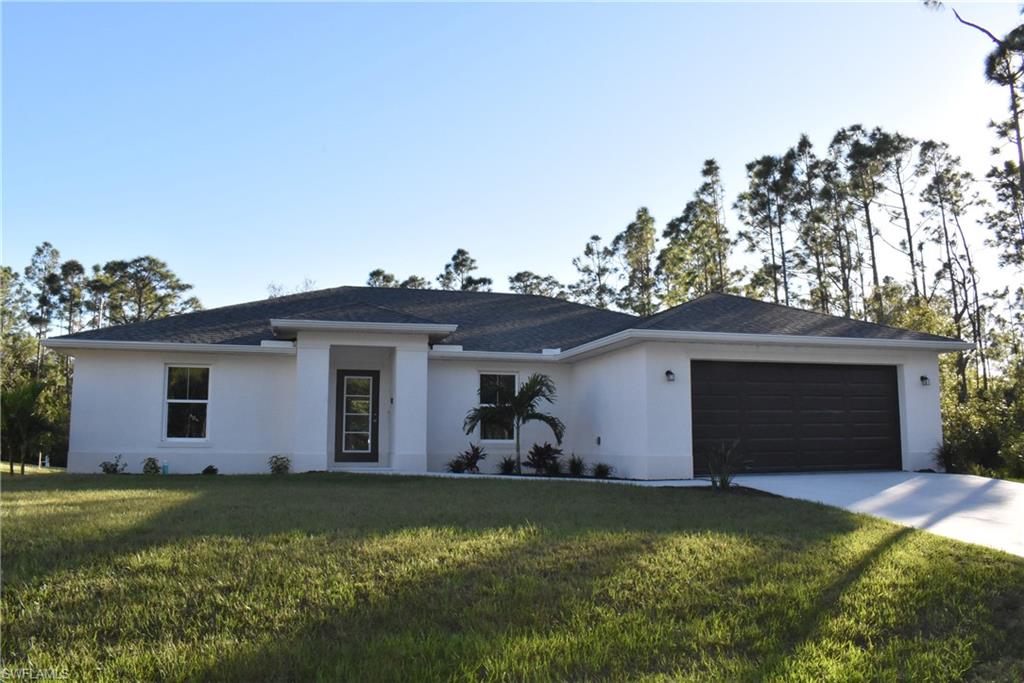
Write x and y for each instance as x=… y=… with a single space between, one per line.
x=20 y=421
x=519 y=409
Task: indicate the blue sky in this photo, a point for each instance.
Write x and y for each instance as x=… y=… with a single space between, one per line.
x=251 y=143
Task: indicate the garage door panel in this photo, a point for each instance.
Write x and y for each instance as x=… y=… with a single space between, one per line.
x=797 y=417
x=716 y=402
x=867 y=390
x=820 y=402
x=827 y=417
x=717 y=434
x=768 y=431
x=825 y=430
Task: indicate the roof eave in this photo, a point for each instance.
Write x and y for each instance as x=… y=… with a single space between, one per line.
x=71 y=345
x=529 y=356
x=633 y=335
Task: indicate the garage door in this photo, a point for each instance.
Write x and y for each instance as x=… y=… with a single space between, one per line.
x=796 y=416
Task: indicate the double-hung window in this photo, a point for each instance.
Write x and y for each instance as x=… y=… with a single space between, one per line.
x=496 y=389
x=187 y=400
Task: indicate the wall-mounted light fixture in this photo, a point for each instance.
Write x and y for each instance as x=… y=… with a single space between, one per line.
x=670 y=376
x=925 y=381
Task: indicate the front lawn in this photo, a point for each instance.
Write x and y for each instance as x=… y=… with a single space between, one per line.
x=355 y=578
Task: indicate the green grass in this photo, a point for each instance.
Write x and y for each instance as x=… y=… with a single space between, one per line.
x=5 y=467
x=357 y=578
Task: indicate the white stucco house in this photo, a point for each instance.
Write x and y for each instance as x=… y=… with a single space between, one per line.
x=357 y=378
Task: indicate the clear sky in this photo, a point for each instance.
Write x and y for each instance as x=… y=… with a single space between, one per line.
x=250 y=143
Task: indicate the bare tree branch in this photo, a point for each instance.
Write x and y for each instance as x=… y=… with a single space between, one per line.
x=975 y=26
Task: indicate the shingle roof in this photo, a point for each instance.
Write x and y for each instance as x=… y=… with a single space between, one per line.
x=736 y=314
x=489 y=321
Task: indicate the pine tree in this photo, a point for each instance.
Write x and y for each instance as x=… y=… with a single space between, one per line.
x=528 y=282
x=597 y=272
x=764 y=209
x=837 y=202
x=896 y=153
x=379 y=277
x=635 y=247
x=815 y=252
x=40 y=275
x=948 y=196
x=853 y=146
x=144 y=288
x=695 y=258
x=456 y=274
x=414 y=282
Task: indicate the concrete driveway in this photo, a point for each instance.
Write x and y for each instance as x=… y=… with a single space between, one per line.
x=988 y=512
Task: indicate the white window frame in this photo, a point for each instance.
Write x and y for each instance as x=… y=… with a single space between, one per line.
x=480 y=427
x=167 y=401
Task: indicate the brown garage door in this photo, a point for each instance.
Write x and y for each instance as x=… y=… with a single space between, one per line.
x=796 y=416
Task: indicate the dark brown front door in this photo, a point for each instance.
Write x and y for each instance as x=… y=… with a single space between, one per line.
x=797 y=416
x=357 y=420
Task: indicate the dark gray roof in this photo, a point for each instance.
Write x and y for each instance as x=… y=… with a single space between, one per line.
x=489 y=321
x=736 y=314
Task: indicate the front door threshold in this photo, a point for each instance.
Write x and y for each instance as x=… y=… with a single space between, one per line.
x=359 y=467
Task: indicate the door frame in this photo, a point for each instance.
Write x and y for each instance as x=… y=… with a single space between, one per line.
x=373 y=455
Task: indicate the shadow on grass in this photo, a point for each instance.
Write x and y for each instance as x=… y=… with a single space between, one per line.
x=572 y=579
x=808 y=628
x=430 y=626
x=103 y=517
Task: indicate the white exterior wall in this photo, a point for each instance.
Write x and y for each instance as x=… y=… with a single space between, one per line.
x=117 y=408
x=611 y=406
x=262 y=404
x=411 y=405
x=453 y=391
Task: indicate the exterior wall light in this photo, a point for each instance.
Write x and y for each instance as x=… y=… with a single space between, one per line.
x=925 y=381
x=670 y=376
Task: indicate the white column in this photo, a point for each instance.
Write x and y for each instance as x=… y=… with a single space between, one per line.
x=920 y=412
x=312 y=387
x=409 y=442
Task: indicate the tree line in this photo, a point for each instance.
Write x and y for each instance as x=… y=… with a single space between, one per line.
x=50 y=296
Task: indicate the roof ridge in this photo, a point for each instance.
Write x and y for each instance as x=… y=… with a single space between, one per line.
x=395 y=310
x=496 y=294
x=659 y=314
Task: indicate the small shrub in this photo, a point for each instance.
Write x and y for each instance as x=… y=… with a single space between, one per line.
x=950 y=458
x=210 y=469
x=279 y=464
x=1013 y=456
x=554 y=468
x=468 y=461
x=116 y=467
x=150 y=466
x=723 y=462
x=602 y=471
x=576 y=467
x=507 y=465
x=543 y=459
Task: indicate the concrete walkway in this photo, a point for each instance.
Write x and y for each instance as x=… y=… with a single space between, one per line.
x=988 y=512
